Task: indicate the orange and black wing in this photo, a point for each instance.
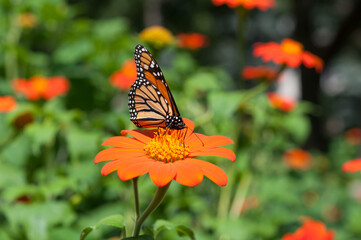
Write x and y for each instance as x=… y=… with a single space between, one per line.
x=151 y=103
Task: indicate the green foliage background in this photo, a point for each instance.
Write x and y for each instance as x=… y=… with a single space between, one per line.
x=51 y=160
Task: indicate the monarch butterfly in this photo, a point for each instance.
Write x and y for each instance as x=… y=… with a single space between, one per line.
x=150 y=101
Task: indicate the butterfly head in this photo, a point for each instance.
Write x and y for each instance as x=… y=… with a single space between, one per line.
x=174 y=122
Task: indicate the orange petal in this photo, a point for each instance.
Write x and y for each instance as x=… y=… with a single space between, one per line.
x=162 y=173
x=352 y=166
x=190 y=127
x=140 y=135
x=188 y=174
x=123 y=142
x=220 y=152
x=210 y=142
x=211 y=171
x=117 y=153
x=135 y=169
x=189 y=124
x=195 y=139
x=120 y=164
x=310 y=60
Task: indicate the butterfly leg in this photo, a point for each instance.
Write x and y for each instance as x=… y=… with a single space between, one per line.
x=167 y=128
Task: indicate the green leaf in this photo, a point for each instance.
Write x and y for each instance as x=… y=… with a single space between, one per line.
x=184 y=63
x=37 y=59
x=11 y=153
x=161 y=225
x=201 y=81
x=73 y=52
x=10 y=175
x=37 y=218
x=41 y=134
x=61 y=233
x=114 y=221
x=148 y=231
x=58 y=186
x=142 y=237
x=90 y=175
x=185 y=231
x=85 y=232
x=4 y=235
x=81 y=142
x=182 y=230
x=224 y=104
x=107 y=30
x=297 y=125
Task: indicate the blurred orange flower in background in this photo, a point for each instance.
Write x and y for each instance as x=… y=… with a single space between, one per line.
x=192 y=41
x=353 y=136
x=281 y=102
x=7 y=104
x=311 y=230
x=297 y=159
x=156 y=35
x=41 y=87
x=250 y=202
x=259 y=72
x=125 y=77
x=27 y=20
x=352 y=166
x=289 y=52
x=248 y=4
x=165 y=155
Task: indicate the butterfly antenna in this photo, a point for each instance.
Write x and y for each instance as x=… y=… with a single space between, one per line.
x=184 y=138
x=200 y=139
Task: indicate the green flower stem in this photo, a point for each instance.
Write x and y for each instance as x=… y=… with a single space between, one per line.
x=136 y=198
x=240 y=196
x=48 y=160
x=11 y=41
x=282 y=68
x=242 y=22
x=225 y=195
x=158 y=197
x=260 y=88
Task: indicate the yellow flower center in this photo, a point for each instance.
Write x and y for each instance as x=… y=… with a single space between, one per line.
x=40 y=84
x=157 y=35
x=167 y=146
x=291 y=46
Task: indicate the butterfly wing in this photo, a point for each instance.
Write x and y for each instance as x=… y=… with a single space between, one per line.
x=151 y=103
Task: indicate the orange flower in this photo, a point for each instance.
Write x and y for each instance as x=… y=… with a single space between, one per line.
x=192 y=41
x=157 y=35
x=289 y=52
x=248 y=4
x=352 y=166
x=41 y=87
x=311 y=229
x=27 y=20
x=7 y=104
x=260 y=72
x=283 y=103
x=353 y=136
x=125 y=77
x=297 y=159
x=165 y=155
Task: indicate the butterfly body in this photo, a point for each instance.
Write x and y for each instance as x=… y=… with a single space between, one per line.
x=150 y=101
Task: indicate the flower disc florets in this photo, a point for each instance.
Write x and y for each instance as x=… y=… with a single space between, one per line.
x=291 y=47
x=167 y=146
